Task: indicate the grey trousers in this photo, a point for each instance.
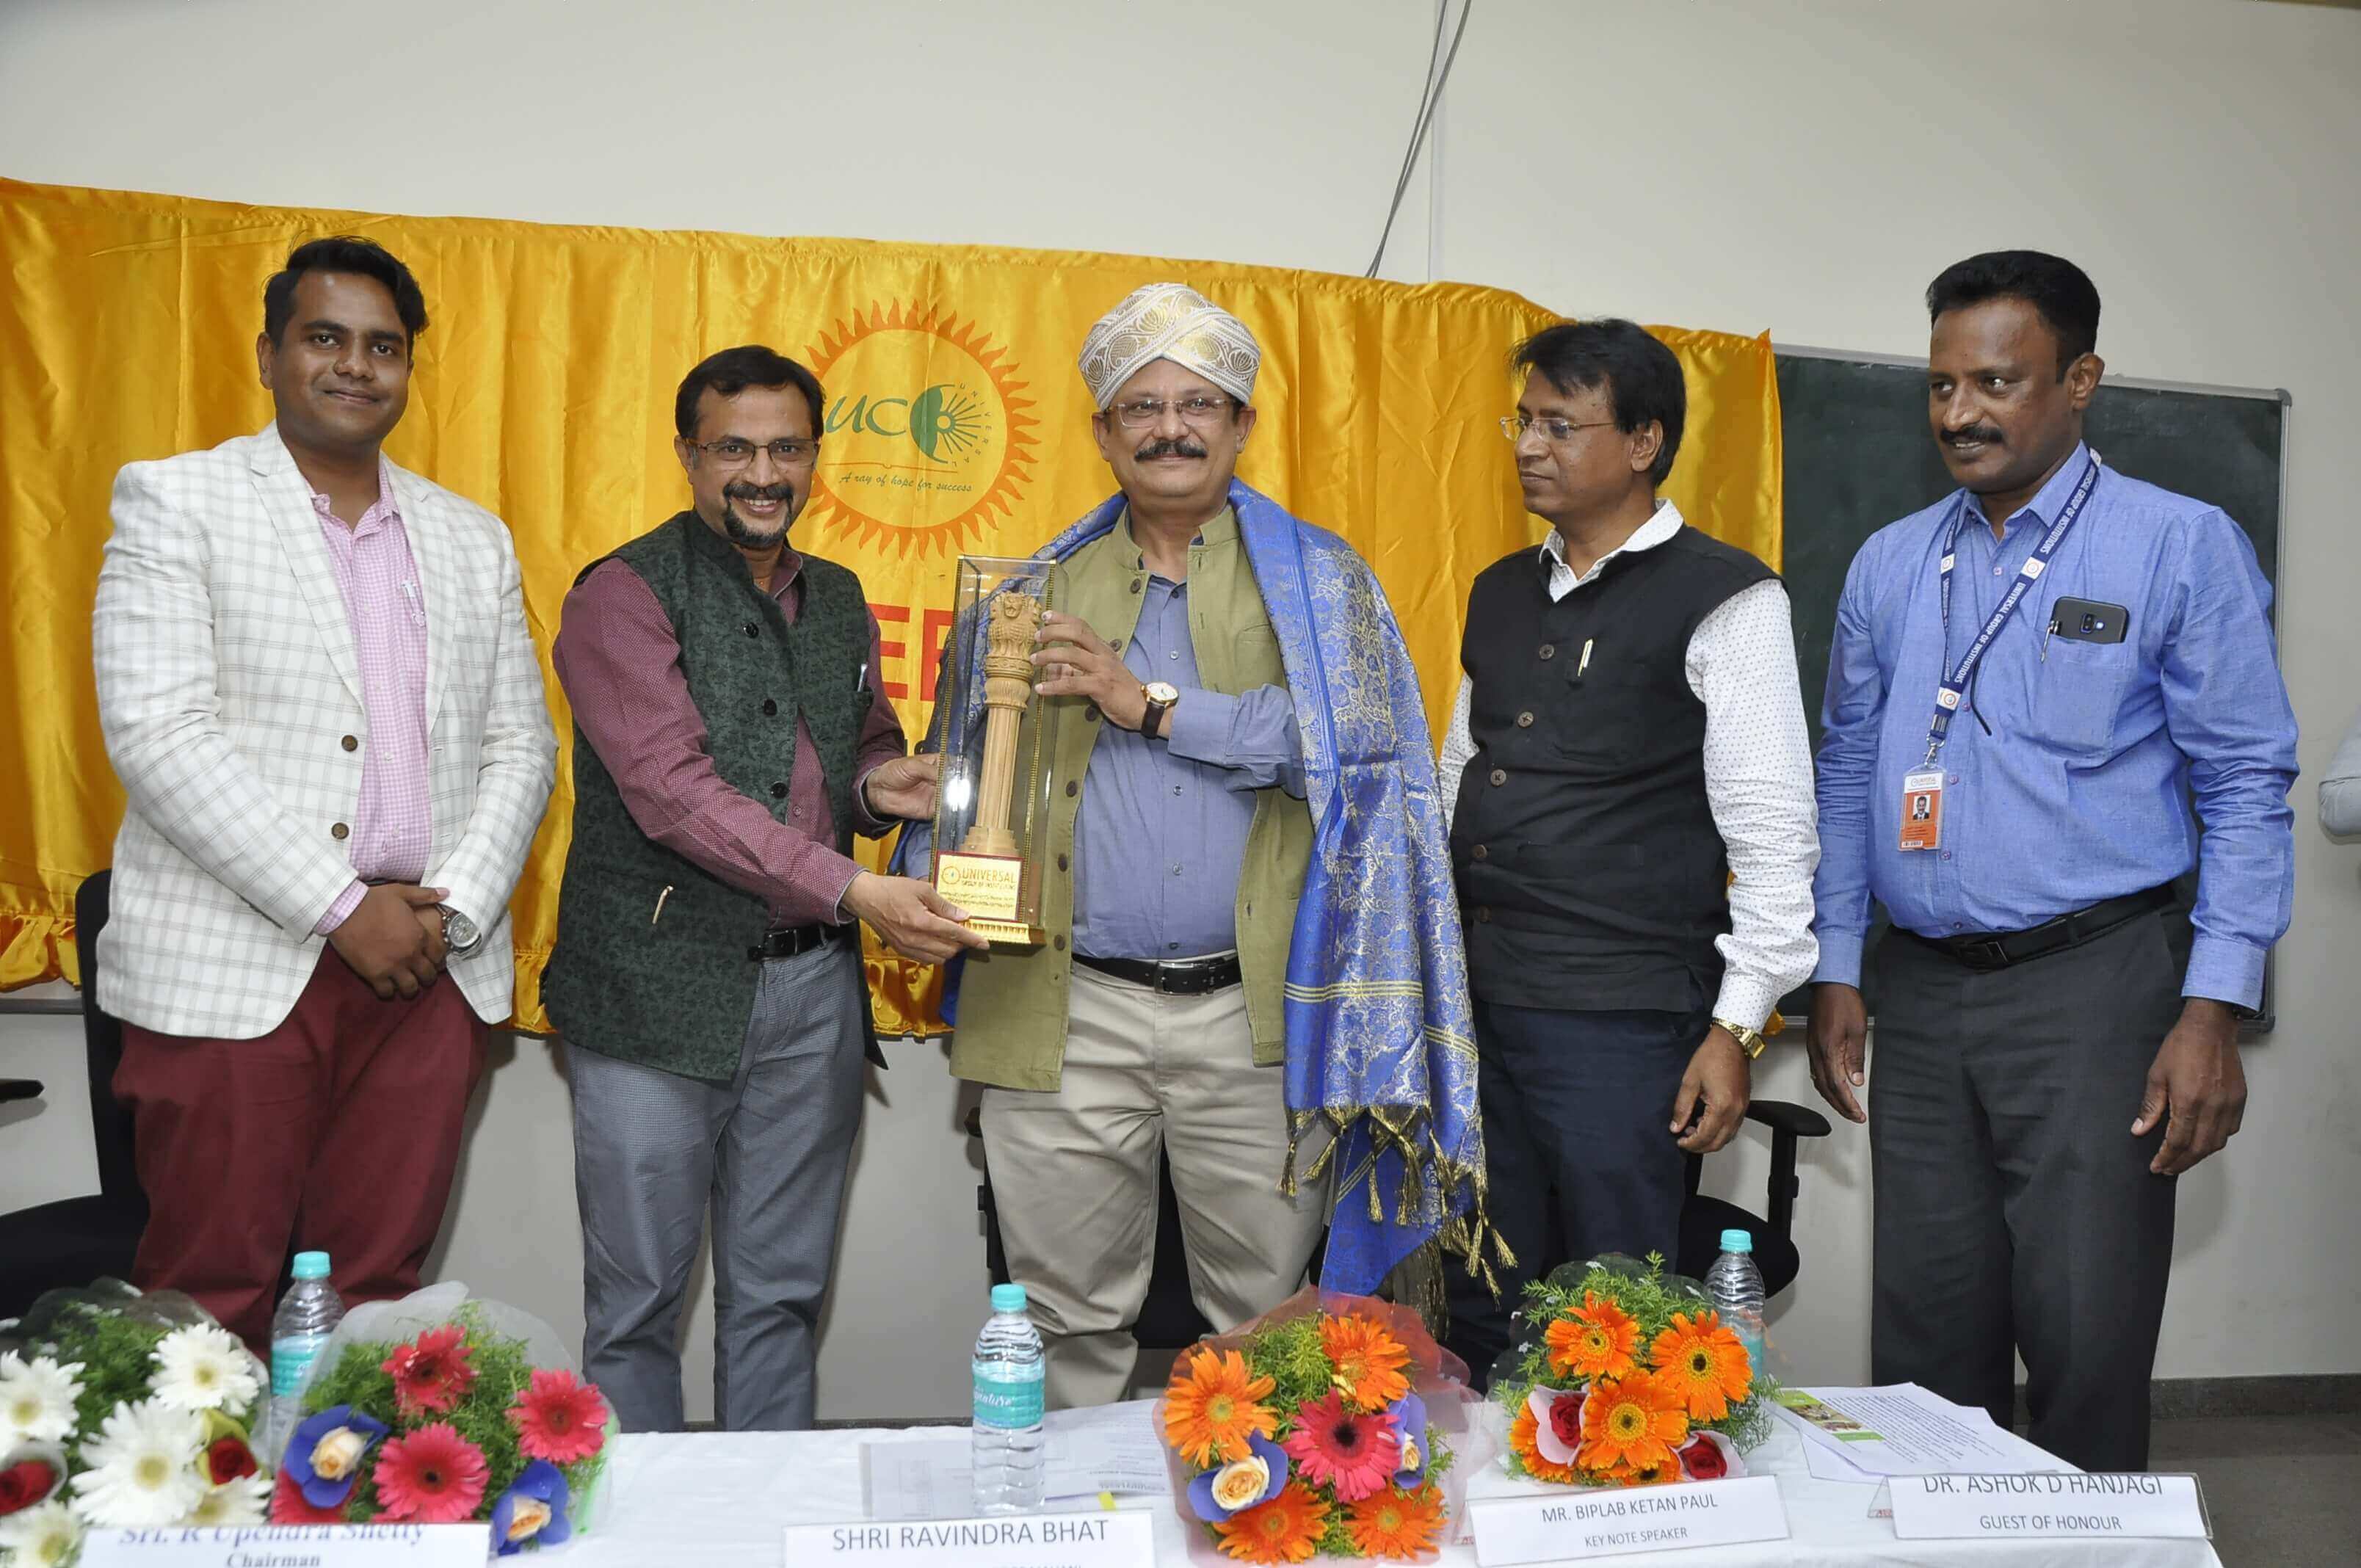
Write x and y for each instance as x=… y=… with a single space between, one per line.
x=2014 y=1211
x=768 y=1152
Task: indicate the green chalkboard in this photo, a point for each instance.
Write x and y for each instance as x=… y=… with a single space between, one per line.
x=1858 y=454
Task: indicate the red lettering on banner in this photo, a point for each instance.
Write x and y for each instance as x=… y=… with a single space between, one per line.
x=888 y=649
x=931 y=628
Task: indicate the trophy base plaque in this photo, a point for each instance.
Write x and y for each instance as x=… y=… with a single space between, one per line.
x=991 y=888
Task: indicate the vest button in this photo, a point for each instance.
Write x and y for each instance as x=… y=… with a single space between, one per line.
x=340 y=831
x=1480 y=852
x=1500 y=776
x=770 y=707
x=1524 y=721
x=1549 y=649
x=350 y=743
x=1059 y=943
x=1061 y=862
x=1483 y=917
x=779 y=791
x=1073 y=788
x=753 y=629
x=1135 y=584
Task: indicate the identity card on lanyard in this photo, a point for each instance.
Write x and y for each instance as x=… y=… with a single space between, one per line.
x=1922 y=788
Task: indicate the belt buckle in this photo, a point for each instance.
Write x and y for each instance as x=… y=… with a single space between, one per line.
x=1988 y=953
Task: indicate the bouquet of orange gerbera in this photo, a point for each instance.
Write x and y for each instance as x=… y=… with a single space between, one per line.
x=1624 y=1376
x=1317 y=1429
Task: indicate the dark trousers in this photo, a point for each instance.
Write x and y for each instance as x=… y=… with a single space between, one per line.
x=339 y=1130
x=2014 y=1211
x=1577 y=1110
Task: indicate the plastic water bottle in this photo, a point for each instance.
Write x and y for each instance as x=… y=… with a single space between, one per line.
x=307 y=1315
x=1735 y=1288
x=1006 y=1445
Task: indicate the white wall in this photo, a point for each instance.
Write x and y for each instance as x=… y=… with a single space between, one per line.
x=1803 y=167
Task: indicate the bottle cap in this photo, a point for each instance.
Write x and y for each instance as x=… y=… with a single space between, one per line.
x=1737 y=1241
x=311 y=1265
x=1008 y=1298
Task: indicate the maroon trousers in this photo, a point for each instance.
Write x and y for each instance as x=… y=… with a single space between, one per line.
x=338 y=1130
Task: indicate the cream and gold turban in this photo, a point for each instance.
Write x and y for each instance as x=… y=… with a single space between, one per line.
x=1169 y=321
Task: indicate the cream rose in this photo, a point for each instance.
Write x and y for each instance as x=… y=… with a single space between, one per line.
x=1242 y=1482
x=1410 y=1459
x=333 y=1456
x=530 y=1515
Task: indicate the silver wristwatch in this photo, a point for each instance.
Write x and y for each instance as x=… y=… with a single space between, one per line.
x=460 y=933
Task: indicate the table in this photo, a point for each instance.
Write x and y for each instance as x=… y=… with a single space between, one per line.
x=723 y=1498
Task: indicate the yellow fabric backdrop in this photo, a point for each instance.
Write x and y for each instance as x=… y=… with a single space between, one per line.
x=544 y=389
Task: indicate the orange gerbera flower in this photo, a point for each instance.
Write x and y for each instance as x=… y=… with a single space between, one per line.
x=1368 y=1360
x=1396 y=1523
x=1285 y=1530
x=1211 y=1408
x=1704 y=1363
x=1597 y=1339
x=1528 y=1453
x=1635 y=1420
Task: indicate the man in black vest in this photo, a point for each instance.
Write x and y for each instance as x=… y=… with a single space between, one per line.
x=731 y=737
x=1633 y=831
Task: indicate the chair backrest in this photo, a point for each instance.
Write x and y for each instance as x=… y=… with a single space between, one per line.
x=110 y=1122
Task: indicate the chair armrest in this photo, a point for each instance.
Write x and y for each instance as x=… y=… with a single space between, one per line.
x=1785 y=1116
x=19 y=1089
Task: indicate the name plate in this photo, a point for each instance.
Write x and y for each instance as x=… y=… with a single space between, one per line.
x=1098 y=1539
x=2047 y=1507
x=291 y=1546
x=1564 y=1527
x=988 y=886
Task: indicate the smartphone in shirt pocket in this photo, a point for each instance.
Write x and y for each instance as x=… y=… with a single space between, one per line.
x=2085 y=667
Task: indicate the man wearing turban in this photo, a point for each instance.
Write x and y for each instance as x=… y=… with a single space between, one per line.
x=1252 y=969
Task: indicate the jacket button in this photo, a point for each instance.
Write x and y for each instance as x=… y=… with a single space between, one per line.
x=350 y=743
x=1524 y=721
x=1483 y=917
x=1135 y=584
x=770 y=707
x=1059 y=943
x=753 y=629
x=779 y=791
x=340 y=831
x=1073 y=788
x=1061 y=862
x=1549 y=649
x=1479 y=853
x=1500 y=776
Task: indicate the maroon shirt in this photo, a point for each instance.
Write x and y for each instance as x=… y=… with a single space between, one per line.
x=619 y=662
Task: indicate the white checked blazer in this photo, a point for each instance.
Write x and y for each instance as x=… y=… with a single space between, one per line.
x=227 y=683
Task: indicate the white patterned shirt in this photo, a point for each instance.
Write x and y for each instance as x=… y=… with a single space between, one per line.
x=1758 y=774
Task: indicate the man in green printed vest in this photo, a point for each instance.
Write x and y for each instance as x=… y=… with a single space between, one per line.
x=731 y=737
x=1155 y=1023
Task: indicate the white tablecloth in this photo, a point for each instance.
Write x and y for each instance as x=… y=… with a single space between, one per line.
x=724 y=1497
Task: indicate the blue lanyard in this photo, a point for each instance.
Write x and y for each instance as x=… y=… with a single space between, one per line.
x=1955 y=686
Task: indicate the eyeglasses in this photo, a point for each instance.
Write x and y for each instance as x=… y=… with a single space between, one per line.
x=730 y=452
x=1514 y=426
x=1196 y=412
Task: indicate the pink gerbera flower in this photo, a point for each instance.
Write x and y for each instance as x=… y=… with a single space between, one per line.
x=430 y=1373
x=559 y=1418
x=430 y=1476
x=1356 y=1453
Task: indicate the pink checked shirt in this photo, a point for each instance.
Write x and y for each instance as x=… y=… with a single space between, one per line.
x=379 y=579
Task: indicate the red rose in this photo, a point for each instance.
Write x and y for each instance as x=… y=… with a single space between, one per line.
x=26 y=1483
x=1703 y=1460
x=227 y=1459
x=1566 y=1419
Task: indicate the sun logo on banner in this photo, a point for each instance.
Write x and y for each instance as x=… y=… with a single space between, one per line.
x=928 y=435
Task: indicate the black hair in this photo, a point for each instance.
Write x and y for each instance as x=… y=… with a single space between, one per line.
x=1642 y=378
x=733 y=371
x=343 y=253
x=2059 y=292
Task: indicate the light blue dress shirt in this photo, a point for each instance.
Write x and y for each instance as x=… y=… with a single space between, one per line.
x=2069 y=770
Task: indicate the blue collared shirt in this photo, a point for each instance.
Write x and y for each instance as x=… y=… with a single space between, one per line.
x=2080 y=791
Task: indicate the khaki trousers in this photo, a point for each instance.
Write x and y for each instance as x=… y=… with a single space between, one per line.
x=1147 y=1077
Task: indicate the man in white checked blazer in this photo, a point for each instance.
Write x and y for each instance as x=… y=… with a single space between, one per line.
x=318 y=689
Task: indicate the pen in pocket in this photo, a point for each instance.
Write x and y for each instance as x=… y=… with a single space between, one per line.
x=1582 y=668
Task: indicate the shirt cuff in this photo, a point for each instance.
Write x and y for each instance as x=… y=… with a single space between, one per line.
x=1839 y=958
x=865 y=822
x=342 y=910
x=1198 y=728
x=2224 y=968
x=1745 y=999
x=828 y=882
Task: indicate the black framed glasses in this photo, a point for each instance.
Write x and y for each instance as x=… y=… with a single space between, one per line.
x=732 y=452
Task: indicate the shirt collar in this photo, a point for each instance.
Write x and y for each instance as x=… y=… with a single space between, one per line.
x=1662 y=525
x=386 y=505
x=1222 y=528
x=2048 y=501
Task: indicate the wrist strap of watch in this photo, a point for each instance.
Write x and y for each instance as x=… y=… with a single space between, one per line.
x=1152 y=723
x=1751 y=1041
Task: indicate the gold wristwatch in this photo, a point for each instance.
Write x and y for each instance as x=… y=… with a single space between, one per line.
x=1751 y=1041
x=1161 y=696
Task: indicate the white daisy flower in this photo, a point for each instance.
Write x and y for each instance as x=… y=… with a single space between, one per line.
x=205 y=1367
x=36 y=1400
x=143 y=1467
x=45 y=1536
x=243 y=1501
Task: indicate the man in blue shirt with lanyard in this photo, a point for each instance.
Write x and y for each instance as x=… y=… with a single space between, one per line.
x=2032 y=682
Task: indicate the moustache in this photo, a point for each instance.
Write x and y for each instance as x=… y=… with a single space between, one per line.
x=1982 y=432
x=1179 y=446
x=748 y=492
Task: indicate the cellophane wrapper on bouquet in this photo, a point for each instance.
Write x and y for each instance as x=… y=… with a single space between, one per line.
x=439 y=1408
x=1330 y=1426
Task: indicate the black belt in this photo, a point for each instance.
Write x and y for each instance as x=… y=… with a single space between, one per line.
x=787 y=942
x=1998 y=950
x=1187 y=976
